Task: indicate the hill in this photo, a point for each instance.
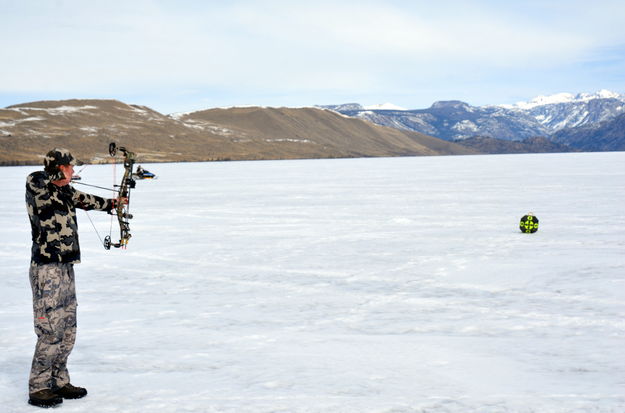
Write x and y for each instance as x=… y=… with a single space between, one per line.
x=28 y=131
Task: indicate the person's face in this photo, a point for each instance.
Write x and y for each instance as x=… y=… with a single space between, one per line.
x=68 y=171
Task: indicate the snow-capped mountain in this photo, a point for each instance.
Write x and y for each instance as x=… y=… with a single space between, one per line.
x=565 y=98
x=451 y=120
x=384 y=106
x=541 y=116
x=565 y=110
x=357 y=106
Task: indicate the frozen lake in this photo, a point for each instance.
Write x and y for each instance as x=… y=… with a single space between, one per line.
x=394 y=285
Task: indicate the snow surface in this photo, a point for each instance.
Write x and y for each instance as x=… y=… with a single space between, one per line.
x=396 y=285
x=60 y=110
x=16 y=121
x=465 y=126
x=564 y=98
x=384 y=106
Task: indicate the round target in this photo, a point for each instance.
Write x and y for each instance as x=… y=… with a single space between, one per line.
x=529 y=224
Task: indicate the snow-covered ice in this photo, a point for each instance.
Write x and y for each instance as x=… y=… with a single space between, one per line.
x=363 y=285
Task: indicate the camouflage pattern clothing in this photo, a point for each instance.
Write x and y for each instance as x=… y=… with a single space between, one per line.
x=56 y=157
x=52 y=212
x=54 y=307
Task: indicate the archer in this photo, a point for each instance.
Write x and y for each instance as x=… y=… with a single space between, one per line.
x=51 y=204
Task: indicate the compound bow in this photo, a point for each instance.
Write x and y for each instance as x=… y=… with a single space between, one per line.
x=122 y=206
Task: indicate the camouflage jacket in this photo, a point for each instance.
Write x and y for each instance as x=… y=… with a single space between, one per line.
x=52 y=213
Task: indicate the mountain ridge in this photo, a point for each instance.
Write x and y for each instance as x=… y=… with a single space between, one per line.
x=455 y=120
x=86 y=126
x=608 y=135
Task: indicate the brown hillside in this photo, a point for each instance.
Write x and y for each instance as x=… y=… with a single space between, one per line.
x=85 y=127
x=322 y=131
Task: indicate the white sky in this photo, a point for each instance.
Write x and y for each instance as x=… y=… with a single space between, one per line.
x=187 y=55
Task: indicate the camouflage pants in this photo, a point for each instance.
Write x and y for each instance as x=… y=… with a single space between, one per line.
x=54 y=307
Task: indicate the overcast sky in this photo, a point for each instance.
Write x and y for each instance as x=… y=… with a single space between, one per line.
x=184 y=55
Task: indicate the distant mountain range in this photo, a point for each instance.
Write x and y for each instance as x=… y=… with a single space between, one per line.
x=85 y=127
x=583 y=121
x=557 y=123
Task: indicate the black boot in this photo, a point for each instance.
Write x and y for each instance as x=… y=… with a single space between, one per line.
x=44 y=398
x=71 y=392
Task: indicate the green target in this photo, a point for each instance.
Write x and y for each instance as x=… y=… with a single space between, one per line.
x=529 y=224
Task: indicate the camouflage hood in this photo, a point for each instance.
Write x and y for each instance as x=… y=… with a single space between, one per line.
x=55 y=158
